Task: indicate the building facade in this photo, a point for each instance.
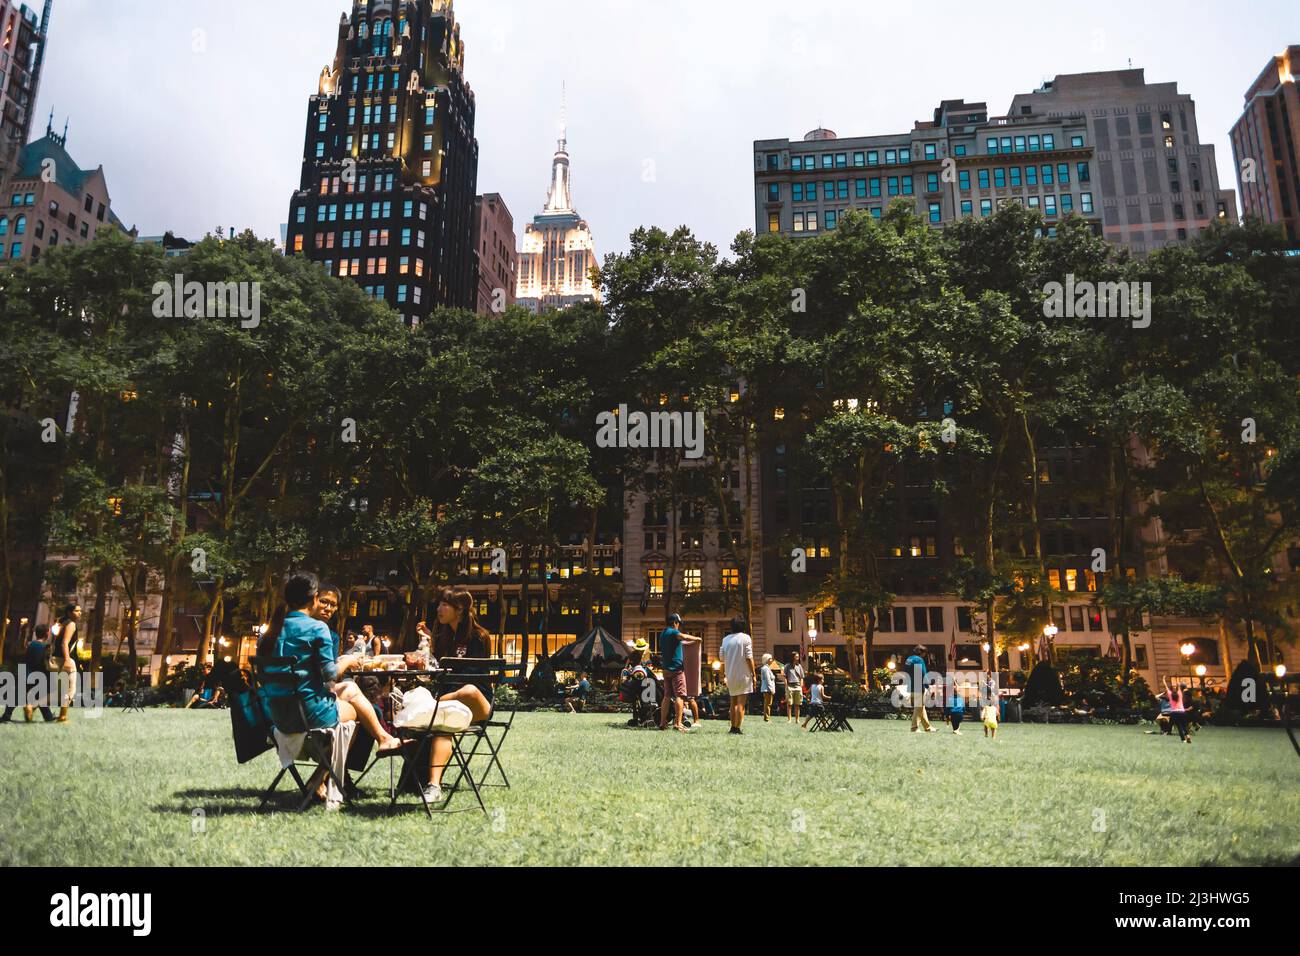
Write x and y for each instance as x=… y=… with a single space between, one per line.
x=962 y=163
x=390 y=166
x=558 y=253
x=22 y=53
x=1124 y=154
x=51 y=201
x=1158 y=181
x=1265 y=144
x=497 y=261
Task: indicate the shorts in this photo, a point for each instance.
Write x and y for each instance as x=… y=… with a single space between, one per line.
x=794 y=695
x=674 y=683
x=741 y=688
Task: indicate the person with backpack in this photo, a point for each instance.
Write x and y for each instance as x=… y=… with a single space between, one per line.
x=36 y=657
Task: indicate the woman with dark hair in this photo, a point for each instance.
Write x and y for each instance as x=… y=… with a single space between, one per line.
x=63 y=656
x=307 y=640
x=459 y=633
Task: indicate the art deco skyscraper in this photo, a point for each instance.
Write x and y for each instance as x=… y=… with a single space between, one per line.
x=558 y=251
x=390 y=166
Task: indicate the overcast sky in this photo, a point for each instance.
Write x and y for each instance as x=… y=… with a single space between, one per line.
x=197 y=130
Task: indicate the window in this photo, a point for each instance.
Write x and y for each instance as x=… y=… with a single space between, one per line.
x=873 y=158
x=963 y=619
x=891 y=157
x=1020 y=144
x=786 y=622
x=893 y=185
x=875 y=187
x=20 y=225
x=959 y=150
x=860 y=188
x=1076 y=142
x=1063 y=173
x=692 y=580
x=991 y=146
x=730 y=579
x=1076 y=618
x=984 y=178
x=773 y=192
x=900 y=619
x=986 y=207
x=859 y=159
x=1014 y=174
x=932 y=182
x=935 y=215
x=1000 y=178
x=830 y=218
x=773 y=223
x=936 y=620
x=1031 y=175
x=1067 y=204
x=1035 y=144
x=655 y=578
x=963 y=179
x=1049 y=205
x=1085 y=202
x=930 y=152
x=920 y=620
x=966 y=208
x=1049 y=141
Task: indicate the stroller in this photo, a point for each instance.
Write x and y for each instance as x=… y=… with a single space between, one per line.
x=643 y=692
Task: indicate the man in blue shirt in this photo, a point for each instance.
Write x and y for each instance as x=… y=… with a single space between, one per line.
x=670 y=651
x=916 y=670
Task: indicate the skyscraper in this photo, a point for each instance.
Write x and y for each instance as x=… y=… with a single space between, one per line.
x=22 y=53
x=390 y=165
x=1266 y=141
x=558 y=251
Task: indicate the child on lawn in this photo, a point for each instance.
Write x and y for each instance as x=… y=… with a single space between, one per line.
x=990 y=717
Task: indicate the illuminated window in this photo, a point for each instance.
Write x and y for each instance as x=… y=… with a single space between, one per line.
x=692 y=580
x=1071 y=579
x=655 y=577
x=730 y=579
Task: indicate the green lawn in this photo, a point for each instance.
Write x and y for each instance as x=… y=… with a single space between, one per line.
x=121 y=790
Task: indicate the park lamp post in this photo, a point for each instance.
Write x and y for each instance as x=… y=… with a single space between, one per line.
x=1187 y=650
x=1050 y=631
x=1200 y=672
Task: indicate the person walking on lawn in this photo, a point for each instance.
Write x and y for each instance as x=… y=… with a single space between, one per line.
x=37 y=658
x=767 y=682
x=737 y=653
x=916 y=670
x=793 y=688
x=670 y=651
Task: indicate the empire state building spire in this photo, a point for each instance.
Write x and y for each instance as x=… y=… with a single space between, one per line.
x=559 y=197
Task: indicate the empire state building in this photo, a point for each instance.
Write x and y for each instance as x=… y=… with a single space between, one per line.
x=558 y=252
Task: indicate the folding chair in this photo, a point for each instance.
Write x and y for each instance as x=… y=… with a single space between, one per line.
x=415 y=763
x=488 y=674
x=289 y=717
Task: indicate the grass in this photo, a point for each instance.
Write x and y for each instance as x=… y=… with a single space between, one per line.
x=121 y=790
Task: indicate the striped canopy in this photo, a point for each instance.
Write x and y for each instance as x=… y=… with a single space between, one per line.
x=598 y=650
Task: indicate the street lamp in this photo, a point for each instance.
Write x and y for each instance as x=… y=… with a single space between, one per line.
x=1200 y=672
x=1187 y=650
x=1279 y=671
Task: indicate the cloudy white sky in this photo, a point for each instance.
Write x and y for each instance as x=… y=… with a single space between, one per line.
x=200 y=130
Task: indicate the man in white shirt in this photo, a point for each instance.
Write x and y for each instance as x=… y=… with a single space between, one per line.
x=737 y=653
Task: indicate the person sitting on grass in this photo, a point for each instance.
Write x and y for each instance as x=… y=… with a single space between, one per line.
x=817 y=697
x=957 y=709
x=575 y=697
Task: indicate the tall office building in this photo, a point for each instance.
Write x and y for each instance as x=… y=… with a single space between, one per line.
x=22 y=53
x=1159 y=183
x=558 y=251
x=1265 y=144
x=494 y=245
x=390 y=166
